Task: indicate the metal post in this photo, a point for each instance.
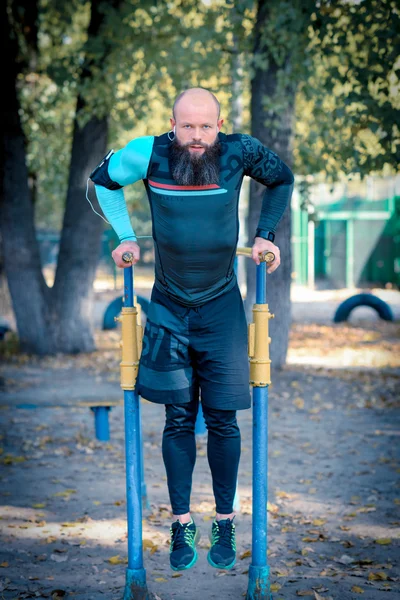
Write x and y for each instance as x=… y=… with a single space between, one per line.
x=350 y=253
x=143 y=487
x=311 y=255
x=135 y=585
x=102 y=426
x=259 y=581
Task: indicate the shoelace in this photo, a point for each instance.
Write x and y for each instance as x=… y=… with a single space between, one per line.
x=181 y=536
x=224 y=534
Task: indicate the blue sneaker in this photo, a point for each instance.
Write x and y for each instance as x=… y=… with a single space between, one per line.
x=182 y=550
x=222 y=554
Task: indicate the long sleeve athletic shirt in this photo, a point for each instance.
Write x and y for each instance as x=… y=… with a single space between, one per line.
x=195 y=228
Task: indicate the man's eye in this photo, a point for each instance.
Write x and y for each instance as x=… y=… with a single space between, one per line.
x=186 y=126
x=206 y=126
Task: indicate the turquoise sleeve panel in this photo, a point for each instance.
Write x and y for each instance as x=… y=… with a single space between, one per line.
x=263 y=165
x=130 y=164
x=113 y=205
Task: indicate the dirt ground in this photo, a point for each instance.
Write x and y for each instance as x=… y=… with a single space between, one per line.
x=334 y=493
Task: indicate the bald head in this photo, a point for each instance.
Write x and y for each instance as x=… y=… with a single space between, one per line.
x=198 y=96
x=196 y=119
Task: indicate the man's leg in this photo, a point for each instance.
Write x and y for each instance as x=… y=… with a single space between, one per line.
x=223 y=456
x=179 y=454
x=223 y=453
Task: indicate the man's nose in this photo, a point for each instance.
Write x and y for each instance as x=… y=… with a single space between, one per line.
x=197 y=135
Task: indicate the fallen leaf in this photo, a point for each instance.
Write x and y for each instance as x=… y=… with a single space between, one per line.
x=174 y=575
x=65 y=493
x=161 y=579
x=304 y=593
x=117 y=560
x=281 y=494
x=148 y=544
x=378 y=576
x=357 y=590
x=299 y=403
x=383 y=541
x=275 y=587
x=40 y=505
x=245 y=554
x=4 y=564
x=51 y=539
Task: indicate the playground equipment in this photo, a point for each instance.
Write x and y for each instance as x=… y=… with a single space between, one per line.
x=114 y=309
x=259 y=581
x=344 y=309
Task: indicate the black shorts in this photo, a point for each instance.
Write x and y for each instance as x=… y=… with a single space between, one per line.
x=190 y=349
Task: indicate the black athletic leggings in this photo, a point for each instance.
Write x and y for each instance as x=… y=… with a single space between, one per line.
x=179 y=454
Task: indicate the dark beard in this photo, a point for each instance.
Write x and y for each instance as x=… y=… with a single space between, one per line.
x=193 y=169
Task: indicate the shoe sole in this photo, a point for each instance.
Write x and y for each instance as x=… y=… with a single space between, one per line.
x=194 y=559
x=216 y=566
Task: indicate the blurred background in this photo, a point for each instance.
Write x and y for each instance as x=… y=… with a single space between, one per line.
x=317 y=82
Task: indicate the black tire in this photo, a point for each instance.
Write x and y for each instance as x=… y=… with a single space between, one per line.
x=114 y=309
x=344 y=309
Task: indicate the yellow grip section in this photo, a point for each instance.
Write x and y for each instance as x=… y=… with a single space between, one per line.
x=251 y=339
x=130 y=354
x=259 y=340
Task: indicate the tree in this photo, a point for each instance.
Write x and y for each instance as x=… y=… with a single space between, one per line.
x=58 y=319
x=349 y=102
x=54 y=319
x=280 y=41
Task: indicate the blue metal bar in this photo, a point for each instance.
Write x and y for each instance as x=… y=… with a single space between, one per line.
x=145 y=500
x=259 y=575
x=200 y=426
x=135 y=585
x=261 y=283
x=260 y=469
x=128 y=286
x=102 y=427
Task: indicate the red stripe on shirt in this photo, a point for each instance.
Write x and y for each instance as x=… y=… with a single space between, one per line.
x=167 y=186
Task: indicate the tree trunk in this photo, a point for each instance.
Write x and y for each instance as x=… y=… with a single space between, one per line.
x=28 y=289
x=79 y=246
x=274 y=130
x=58 y=319
x=81 y=233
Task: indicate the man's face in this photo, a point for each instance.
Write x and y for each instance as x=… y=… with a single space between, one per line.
x=196 y=123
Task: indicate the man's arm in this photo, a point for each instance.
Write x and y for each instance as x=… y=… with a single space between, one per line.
x=115 y=171
x=263 y=165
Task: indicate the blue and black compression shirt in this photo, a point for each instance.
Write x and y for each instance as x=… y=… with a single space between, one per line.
x=195 y=228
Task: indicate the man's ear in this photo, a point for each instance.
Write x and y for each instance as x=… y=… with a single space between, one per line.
x=220 y=122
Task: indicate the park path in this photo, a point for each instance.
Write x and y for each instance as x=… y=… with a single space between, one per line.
x=334 y=523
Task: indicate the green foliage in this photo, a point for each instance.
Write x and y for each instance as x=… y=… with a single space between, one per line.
x=340 y=57
x=349 y=108
x=152 y=53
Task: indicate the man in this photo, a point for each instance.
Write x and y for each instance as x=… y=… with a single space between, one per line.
x=196 y=331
